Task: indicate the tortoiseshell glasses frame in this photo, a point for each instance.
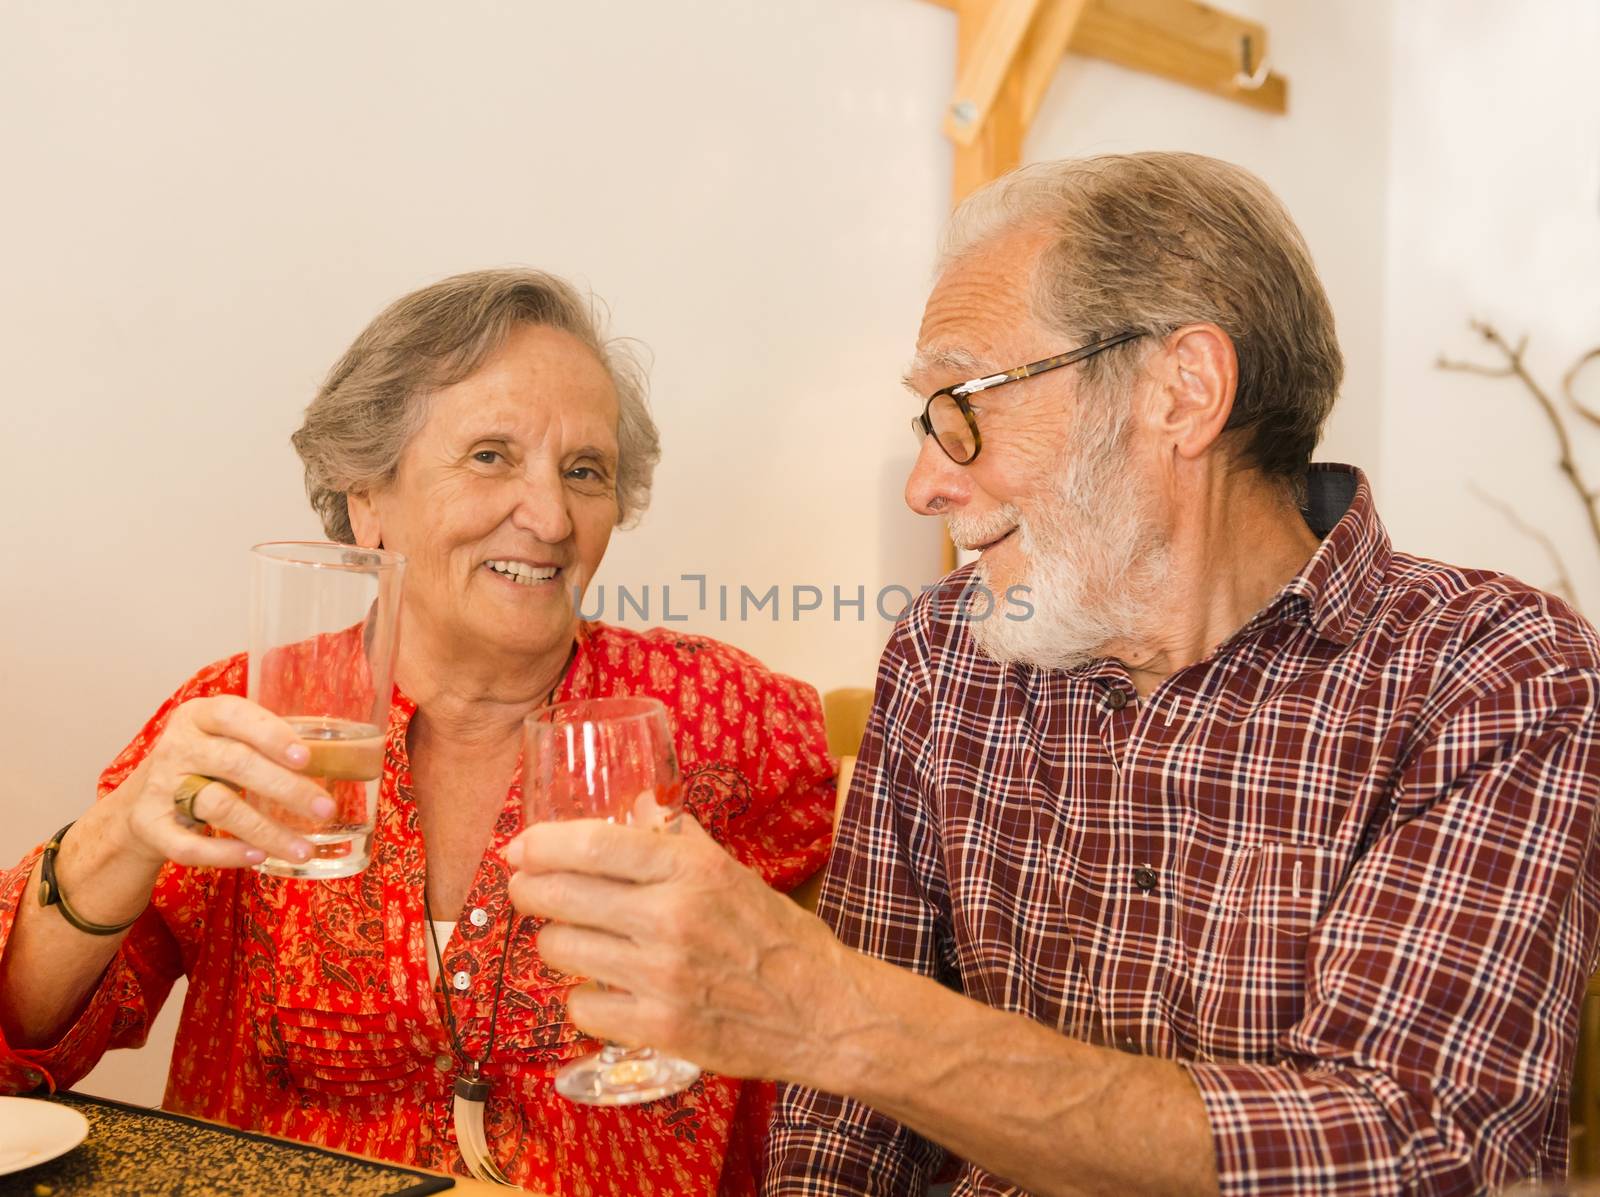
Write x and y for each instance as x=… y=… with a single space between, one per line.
x=948 y=416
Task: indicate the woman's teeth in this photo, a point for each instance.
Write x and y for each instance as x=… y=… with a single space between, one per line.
x=519 y=571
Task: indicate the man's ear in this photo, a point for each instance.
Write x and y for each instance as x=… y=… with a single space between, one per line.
x=364 y=520
x=1198 y=375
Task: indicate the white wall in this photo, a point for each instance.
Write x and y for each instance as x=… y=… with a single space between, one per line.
x=1494 y=205
x=205 y=202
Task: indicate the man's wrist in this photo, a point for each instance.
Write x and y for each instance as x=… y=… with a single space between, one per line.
x=855 y=1039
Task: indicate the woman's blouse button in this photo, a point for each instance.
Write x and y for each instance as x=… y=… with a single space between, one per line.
x=461 y=980
x=479 y=917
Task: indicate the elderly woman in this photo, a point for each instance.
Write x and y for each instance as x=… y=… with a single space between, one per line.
x=483 y=428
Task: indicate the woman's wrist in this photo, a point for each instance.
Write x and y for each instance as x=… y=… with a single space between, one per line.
x=101 y=868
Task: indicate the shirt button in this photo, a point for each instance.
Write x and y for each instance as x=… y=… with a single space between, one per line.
x=1116 y=700
x=461 y=980
x=479 y=917
x=442 y=1062
x=1144 y=880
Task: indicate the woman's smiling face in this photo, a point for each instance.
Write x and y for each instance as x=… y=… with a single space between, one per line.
x=504 y=501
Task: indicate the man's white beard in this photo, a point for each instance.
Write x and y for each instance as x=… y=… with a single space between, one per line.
x=1095 y=562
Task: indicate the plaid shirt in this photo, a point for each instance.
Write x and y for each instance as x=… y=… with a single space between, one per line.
x=1340 y=869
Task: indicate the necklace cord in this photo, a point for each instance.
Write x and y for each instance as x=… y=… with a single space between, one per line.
x=456 y=1039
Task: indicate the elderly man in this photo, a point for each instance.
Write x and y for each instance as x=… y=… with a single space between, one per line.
x=1256 y=861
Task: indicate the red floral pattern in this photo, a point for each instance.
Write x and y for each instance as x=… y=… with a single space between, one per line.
x=310 y=1013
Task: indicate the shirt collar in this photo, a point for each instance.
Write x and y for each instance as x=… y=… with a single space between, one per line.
x=1340 y=583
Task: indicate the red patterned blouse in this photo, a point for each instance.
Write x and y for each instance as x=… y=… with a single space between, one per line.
x=310 y=1013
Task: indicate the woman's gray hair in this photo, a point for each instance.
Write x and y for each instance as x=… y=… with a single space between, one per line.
x=1158 y=240
x=374 y=399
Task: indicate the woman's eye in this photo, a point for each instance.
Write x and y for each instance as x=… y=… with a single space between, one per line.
x=589 y=480
x=487 y=456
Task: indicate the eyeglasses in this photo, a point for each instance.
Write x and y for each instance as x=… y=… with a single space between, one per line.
x=948 y=416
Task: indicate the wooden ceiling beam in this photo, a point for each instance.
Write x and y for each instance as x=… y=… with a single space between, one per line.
x=997 y=145
x=1185 y=41
x=1048 y=41
x=987 y=65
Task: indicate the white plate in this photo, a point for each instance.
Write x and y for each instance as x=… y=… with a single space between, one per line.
x=33 y=1131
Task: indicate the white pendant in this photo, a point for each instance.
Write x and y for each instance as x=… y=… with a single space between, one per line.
x=472 y=1095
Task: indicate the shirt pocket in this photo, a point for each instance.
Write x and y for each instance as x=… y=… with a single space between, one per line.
x=325 y=1018
x=1248 y=972
x=326 y=1044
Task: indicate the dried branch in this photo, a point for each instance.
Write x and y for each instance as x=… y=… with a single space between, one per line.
x=1563 y=583
x=1514 y=368
x=1588 y=413
x=1445 y=363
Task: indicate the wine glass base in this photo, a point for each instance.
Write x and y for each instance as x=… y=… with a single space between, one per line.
x=624 y=1079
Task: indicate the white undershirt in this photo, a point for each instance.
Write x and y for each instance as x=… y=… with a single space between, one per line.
x=442 y=932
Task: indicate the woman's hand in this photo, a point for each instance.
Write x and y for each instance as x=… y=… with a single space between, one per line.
x=109 y=862
x=238 y=743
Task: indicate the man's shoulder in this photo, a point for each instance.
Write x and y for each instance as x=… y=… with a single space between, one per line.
x=1490 y=629
x=932 y=658
x=935 y=621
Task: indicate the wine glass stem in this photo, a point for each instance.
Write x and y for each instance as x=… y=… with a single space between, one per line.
x=615 y=1053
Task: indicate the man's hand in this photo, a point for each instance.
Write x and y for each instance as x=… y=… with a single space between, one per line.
x=704 y=960
x=712 y=966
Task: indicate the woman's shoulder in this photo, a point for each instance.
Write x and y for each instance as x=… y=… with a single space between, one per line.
x=617 y=645
x=226 y=676
x=669 y=664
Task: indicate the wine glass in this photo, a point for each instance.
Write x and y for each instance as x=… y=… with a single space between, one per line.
x=612 y=759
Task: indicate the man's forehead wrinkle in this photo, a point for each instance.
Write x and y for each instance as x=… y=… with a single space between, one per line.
x=975 y=301
x=980 y=315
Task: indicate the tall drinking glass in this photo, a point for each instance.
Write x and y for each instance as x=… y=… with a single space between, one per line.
x=612 y=759
x=324 y=619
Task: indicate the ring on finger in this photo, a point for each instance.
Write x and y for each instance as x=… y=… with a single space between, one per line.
x=189 y=787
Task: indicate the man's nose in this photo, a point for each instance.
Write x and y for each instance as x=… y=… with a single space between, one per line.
x=936 y=484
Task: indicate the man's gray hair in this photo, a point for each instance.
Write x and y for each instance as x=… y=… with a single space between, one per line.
x=374 y=399
x=1158 y=240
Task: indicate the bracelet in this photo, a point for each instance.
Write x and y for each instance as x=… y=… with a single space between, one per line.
x=50 y=893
